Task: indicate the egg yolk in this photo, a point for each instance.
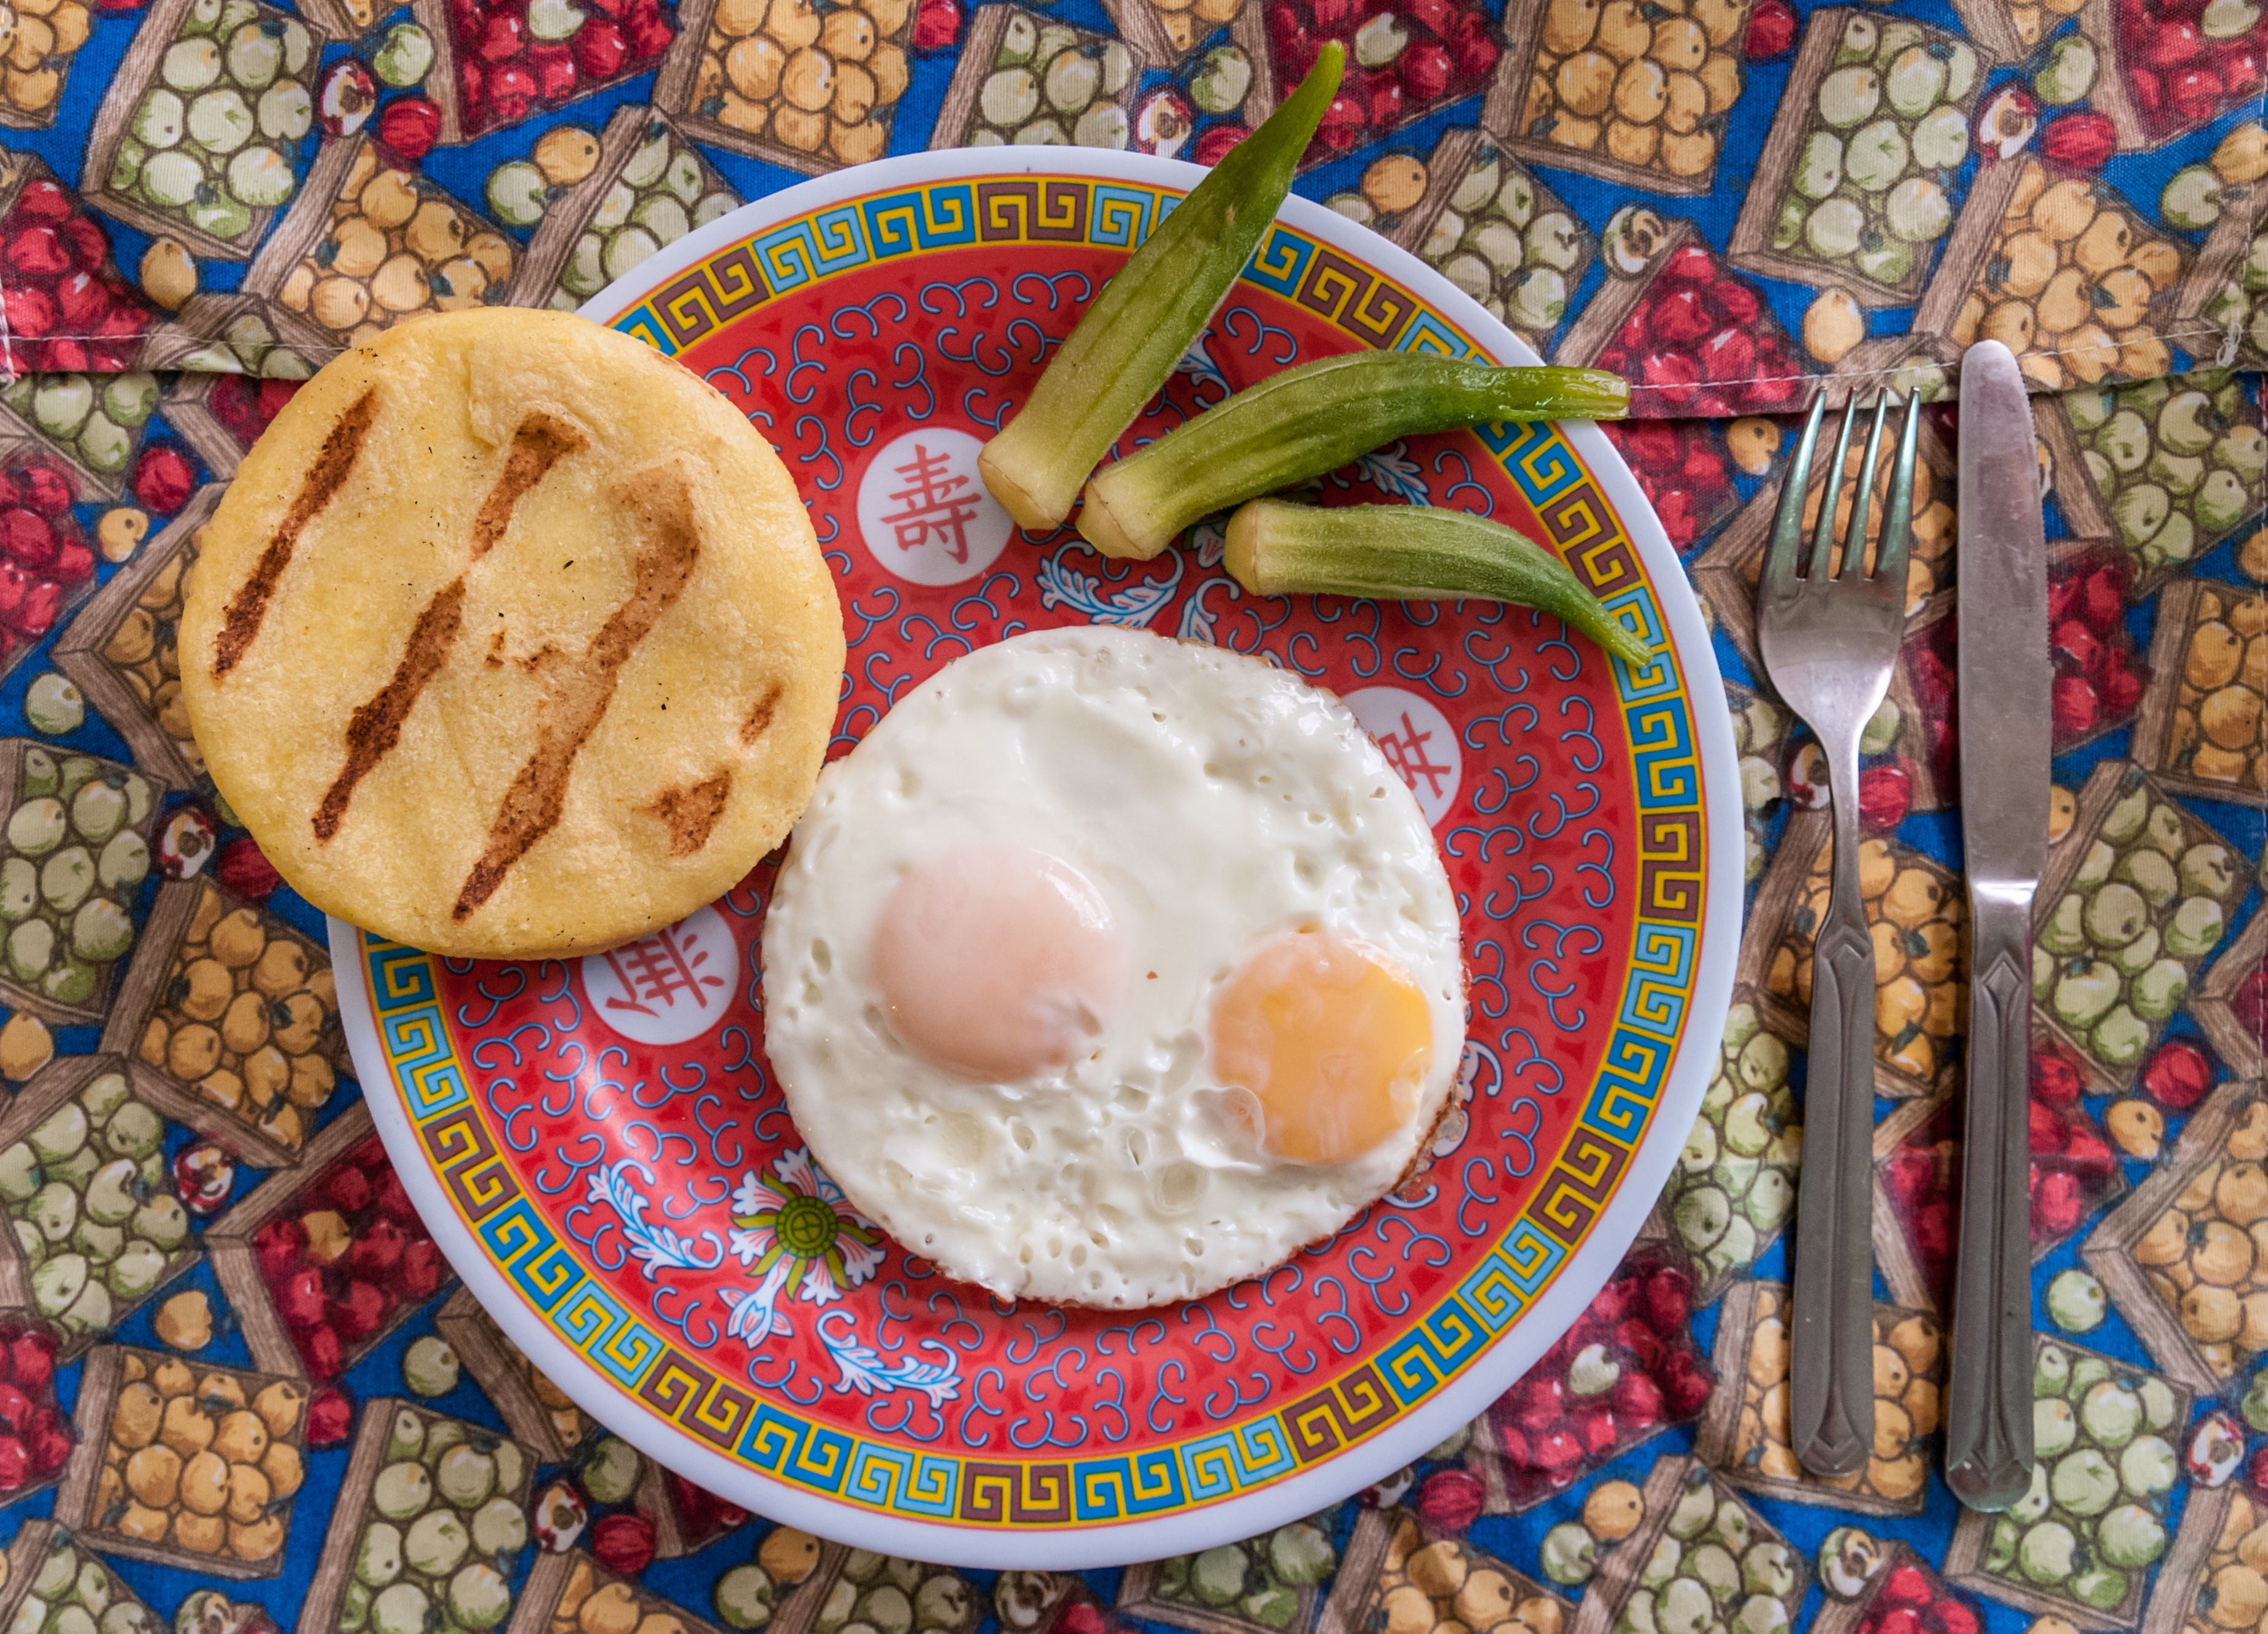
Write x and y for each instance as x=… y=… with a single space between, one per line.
x=998 y=962
x=1333 y=1039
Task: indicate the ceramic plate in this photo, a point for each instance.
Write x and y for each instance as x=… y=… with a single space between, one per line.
x=585 y=1137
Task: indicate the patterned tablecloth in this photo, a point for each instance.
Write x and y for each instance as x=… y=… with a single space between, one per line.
x=203 y=198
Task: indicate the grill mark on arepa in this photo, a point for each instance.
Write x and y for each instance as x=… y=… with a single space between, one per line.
x=334 y=464
x=375 y=728
x=532 y=805
x=541 y=442
x=689 y=813
x=760 y=717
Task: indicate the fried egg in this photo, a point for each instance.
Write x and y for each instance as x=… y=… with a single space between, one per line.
x=1109 y=969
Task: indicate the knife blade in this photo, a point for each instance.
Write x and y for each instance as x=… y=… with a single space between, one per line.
x=2001 y=598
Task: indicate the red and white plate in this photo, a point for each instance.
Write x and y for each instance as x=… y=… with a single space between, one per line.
x=585 y=1136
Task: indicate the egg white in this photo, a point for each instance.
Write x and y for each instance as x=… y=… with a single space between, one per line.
x=1221 y=803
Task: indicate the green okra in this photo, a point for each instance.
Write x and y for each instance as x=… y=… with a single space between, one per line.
x=1413 y=553
x=1313 y=419
x=1139 y=326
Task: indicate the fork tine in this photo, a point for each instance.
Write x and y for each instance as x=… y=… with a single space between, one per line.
x=1787 y=525
x=1854 y=538
x=1897 y=518
x=1822 y=537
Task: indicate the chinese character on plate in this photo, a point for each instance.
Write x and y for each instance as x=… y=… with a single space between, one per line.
x=924 y=512
x=668 y=987
x=1417 y=741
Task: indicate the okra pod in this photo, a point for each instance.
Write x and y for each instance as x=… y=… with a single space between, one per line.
x=1313 y=419
x=1139 y=326
x=1413 y=553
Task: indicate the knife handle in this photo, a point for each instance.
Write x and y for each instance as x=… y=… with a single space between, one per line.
x=1832 y=1409
x=1988 y=1444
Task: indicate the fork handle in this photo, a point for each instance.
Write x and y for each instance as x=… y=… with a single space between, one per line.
x=1988 y=1447
x=1833 y=1344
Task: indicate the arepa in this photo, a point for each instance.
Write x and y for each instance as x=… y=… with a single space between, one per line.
x=512 y=639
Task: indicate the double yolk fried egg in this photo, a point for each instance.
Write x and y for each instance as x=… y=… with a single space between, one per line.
x=1109 y=970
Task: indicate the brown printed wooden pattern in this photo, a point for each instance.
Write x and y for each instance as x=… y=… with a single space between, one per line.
x=82 y=652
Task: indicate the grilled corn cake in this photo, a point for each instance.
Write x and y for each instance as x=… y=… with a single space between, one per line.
x=511 y=638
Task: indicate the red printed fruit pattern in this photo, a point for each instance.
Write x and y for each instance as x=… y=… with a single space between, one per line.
x=354 y=1255
x=2099 y=675
x=2186 y=61
x=513 y=59
x=2074 y=1170
x=1929 y=664
x=68 y=307
x=1921 y=1179
x=1681 y=468
x=2099 y=681
x=44 y=558
x=700 y=1513
x=2178 y=1075
x=1625 y=1370
x=330 y=1417
x=35 y=1437
x=1702 y=342
x=2250 y=1003
x=1404 y=60
x=1913 y=1600
x=246 y=404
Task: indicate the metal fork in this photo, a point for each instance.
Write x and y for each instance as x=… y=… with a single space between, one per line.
x=1829 y=640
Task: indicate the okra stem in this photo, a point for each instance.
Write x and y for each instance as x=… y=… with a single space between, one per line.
x=1313 y=419
x=1413 y=553
x=1141 y=323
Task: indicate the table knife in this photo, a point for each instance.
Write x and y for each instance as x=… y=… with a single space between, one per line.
x=2003 y=677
